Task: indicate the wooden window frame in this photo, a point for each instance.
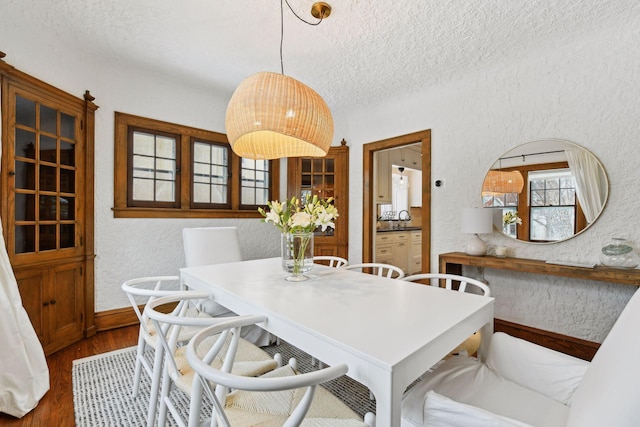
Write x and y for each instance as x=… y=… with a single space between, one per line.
x=121 y=209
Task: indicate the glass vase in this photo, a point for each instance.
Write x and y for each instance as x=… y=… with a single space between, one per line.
x=619 y=253
x=297 y=255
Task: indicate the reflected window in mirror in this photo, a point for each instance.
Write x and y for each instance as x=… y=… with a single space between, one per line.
x=552 y=205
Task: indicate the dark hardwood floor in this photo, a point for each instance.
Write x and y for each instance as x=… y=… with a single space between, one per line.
x=56 y=407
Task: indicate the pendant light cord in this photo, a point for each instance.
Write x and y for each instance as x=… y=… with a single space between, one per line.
x=282 y=28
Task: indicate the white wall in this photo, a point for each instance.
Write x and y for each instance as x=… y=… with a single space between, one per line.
x=586 y=92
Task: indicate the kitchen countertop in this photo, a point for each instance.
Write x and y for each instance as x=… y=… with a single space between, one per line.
x=388 y=230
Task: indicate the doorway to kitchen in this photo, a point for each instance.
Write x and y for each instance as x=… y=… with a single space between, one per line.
x=372 y=166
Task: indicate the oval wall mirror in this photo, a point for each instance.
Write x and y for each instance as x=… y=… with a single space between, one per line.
x=545 y=191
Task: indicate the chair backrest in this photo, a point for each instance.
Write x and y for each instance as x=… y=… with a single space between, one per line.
x=211 y=245
x=449 y=279
x=608 y=393
x=225 y=380
x=377 y=268
x=169 y=325
x=142 y=290
x=331 y=261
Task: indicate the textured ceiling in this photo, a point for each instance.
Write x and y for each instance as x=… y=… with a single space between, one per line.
x=365 y=52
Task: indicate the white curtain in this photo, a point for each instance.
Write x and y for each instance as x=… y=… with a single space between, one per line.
x=591 y=186
x=24 y=375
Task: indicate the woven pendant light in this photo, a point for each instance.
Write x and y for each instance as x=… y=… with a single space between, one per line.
x=271 y=116
x=500 y=182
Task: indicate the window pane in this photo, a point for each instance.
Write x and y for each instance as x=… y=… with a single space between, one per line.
x=248 y=196
x=25 y=144
x=219 y=155
x=202 y=172
x=67 y=235
x=201 y=193
x=67 y=153
x=537 y=198
x=201 y=152
x=48 y=120
x=165 y=191
x=47 y=240
x=262 y=196
x=67 y=126
x=25 y=206
x=48 y=208
x=67 y=208
x=552 y=223
x=143 y=189
x=553 y=197
x=568 y=196
x=165 y=147
x=47 y=178
x=143 y=167
x=48 y=149
x=218 y=194
x=219 y=175
x=67 y=181
x=143 y=143
x=328 y=164
x=25 y=239
x=25 y=112
x=25 y=175
x=166 y=169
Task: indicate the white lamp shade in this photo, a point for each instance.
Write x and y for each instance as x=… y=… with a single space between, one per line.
x=477 y=220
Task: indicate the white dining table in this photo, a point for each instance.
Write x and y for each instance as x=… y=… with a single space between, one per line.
x=389 y=332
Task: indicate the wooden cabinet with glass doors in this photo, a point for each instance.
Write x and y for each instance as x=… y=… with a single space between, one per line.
x=325 y=177
x=47 y=204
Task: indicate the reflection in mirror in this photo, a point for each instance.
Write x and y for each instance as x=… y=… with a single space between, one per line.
x=545 y=191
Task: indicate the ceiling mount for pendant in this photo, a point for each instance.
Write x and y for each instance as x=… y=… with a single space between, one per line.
x=320 y=10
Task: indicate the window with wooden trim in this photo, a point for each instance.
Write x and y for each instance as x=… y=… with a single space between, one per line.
x=169 y=170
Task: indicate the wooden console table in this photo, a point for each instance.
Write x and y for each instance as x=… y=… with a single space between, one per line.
x=452 y=262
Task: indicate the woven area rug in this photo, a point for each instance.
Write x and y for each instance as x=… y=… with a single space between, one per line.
x=102 y=389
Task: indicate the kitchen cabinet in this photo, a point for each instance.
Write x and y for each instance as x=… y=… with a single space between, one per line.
x=406 y=157
x=397 y=248
x=383 y=177
x=415 y=261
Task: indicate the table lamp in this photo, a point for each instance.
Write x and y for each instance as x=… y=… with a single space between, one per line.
x=476 y=221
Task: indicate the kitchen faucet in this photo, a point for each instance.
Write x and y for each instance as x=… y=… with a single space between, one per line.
x=405 y=219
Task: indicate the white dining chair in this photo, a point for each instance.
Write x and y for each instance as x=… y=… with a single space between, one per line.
x=463 y=284
x=331 y=260
x=260 y=400
x=211 y=245
x=170 y=365
x=217 y=245
x=140 y=292
x=377 y=268
x=524 y=384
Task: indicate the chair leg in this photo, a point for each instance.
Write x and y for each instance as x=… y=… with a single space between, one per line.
x=155 y=386
x=138 y=368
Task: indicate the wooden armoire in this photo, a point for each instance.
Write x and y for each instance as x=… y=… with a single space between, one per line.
x=47 y=204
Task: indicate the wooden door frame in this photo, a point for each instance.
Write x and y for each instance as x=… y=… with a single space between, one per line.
x=369 y=206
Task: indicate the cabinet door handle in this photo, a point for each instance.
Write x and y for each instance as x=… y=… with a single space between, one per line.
x=45 y=304
x=53 y=302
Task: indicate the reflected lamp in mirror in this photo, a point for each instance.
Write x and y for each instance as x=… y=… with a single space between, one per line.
x=476 y=221
x=501 y=182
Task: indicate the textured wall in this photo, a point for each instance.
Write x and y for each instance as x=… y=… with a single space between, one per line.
x=586 y=92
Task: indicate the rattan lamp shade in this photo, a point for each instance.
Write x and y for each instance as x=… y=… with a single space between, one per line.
x=500 y=182
x=271 y=116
